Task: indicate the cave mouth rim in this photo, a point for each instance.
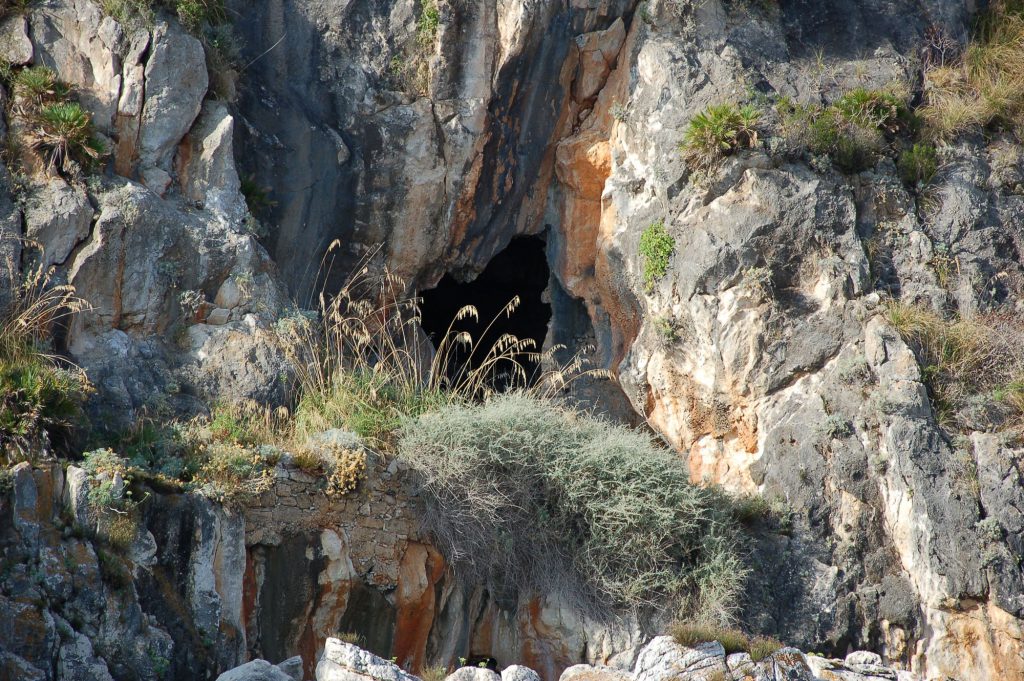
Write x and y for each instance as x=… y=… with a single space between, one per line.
x=520 y=269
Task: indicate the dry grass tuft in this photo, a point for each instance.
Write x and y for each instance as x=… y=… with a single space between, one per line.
x=973 y=367
x=690 y=635
x=763 y=646
x=434 y=673
x=985 y=86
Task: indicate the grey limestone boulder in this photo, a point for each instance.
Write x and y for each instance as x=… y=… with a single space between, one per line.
x=257 y=670
x=473 y=674
x=346 y=662
x=518 y=672
x=664 y=659
x=292 y=667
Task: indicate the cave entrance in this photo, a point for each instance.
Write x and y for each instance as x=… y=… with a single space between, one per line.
x=519 y=270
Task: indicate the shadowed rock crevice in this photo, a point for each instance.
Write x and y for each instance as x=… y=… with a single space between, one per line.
x=520 y=271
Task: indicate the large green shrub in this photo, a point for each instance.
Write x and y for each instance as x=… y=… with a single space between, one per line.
x=543 y=497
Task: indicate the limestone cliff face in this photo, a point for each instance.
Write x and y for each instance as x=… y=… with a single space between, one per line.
x=151 y=244
x=751 y=372
x=443 y=171
x=560 y=118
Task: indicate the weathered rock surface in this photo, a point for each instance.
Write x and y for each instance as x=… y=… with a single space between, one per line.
x=257 y=670
x=346 y=662
x=473 y=674
x=515 y=118
x=518 y=672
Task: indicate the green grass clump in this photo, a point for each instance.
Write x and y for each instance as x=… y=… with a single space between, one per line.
x=130 y=13
x=428 y=23
x=37 y=397
x=370 y=404
x=38 y=85
x=552 y=498
x=194 y=14
x=656 y=249
x=918 y=164
x=114 y=569
x=852 y=131
x=719 y=131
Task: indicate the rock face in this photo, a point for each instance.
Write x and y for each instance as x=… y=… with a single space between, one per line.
x=772 y=302
x=762 y=355
x=777 y=330
x=149 y=246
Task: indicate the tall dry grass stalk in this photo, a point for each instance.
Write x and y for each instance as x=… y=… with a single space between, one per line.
x=365 y=363
x=36 y=307
x=41 y=393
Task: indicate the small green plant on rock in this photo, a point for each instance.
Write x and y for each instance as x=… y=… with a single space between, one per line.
x=835 y=427
x=719 y=131
x=193 y=14
x=666 y=329
x=428 y=23
x=110 y=498
x=918 y=164
x=113 y=569
x=656 y=249
x=759 y=281
x=62 y=132
x=38 y=85
x=990 y=529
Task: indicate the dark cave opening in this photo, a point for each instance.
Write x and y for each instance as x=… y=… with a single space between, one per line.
x=521 y=269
